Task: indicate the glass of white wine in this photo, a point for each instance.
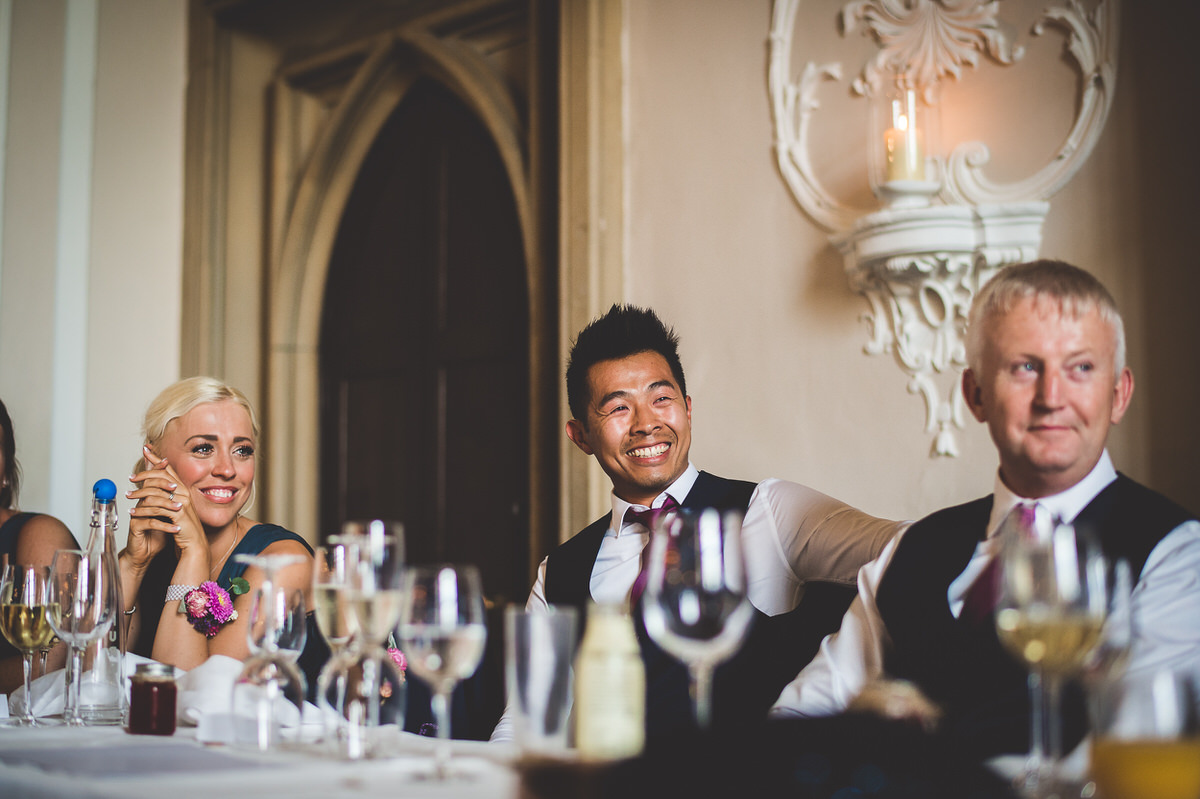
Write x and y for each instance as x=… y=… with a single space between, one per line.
x=25 y=623
x=442 y=632
x=1050 y=614
x=358 y=601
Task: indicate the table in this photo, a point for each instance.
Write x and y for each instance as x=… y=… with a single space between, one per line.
x=108 y=763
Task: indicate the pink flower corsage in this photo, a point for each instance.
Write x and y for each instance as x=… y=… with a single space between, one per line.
x=209 y=608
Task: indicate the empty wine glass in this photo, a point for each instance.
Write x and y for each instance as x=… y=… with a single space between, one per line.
x=442 y=632
x=695 y=604
x=361 y=687
x=1050 y=614
x=25 y=623
x=81 y=597
x=271 y=687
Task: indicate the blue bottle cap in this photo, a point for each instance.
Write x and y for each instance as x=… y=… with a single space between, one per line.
x=104 y=490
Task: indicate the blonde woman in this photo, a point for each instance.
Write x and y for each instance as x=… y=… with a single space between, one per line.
x=191 y=486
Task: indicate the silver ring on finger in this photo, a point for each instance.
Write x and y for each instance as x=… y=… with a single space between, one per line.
x=171 y=496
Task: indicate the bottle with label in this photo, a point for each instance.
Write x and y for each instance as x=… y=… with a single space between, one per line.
x=102 y=697
x=610 y=687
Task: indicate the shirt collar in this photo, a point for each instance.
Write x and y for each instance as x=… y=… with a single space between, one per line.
x=678 y=491
x=1065 y=505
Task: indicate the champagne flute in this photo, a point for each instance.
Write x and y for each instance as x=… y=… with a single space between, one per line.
x=270 y=680
x=442 y=633
x=366 y=602
x=1050 y=614
x=695 y=604
x=81 y=599
x=24 y=622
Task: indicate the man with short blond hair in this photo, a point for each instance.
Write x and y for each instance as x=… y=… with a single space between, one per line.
x=1047 y=375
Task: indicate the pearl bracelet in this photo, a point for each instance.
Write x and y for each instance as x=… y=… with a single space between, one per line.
x=176 y=593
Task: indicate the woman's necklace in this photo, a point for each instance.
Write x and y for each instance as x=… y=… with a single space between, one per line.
x=231 y=546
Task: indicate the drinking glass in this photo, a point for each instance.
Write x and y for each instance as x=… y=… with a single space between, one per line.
x=695 y=604
x=1146 y=738
x=1050 y=614
x=270 y=682
x=361 y=687
x=25 y=623
x=81 y=597
x=442 y=632
x=539 y=647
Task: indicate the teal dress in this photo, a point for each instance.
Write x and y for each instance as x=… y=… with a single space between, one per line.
x=257 y=538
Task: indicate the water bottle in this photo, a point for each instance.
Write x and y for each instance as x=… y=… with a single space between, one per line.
x=610 y=687
x=102 y=696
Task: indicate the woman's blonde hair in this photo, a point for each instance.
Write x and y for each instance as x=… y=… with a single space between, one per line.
x=178 y=399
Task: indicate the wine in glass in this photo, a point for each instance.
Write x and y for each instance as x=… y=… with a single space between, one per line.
x=81 y=599
x=270 y=686
x=360 y=687
x=695 y=604
x=1050 y=614
x=25 y=623
x=442 y=633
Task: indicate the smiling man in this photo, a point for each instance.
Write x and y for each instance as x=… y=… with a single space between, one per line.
x=1046 y=348
x=631 y=411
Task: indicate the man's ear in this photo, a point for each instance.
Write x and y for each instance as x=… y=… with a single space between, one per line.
x=577 y=432
x=973 y=395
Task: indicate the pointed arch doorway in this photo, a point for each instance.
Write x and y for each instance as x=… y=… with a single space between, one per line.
x=424 y=364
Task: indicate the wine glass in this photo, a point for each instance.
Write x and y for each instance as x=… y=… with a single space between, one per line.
x=360 y=687
x=81 y=599
x=270 y=682
x=24 y=622
x=1050 y=615
x=442 y=632
x=695 y=604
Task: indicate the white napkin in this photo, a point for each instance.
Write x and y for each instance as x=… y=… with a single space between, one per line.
x=49 y=691
x=206 y=702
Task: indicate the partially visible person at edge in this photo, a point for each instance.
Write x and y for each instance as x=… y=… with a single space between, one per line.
x=194 y=479
x=26 y=539
x=1047 y=375
x=631 y=411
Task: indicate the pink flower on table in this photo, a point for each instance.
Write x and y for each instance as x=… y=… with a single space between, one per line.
x=398 y=658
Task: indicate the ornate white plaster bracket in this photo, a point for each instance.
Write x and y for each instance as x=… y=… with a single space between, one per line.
x=944 y=228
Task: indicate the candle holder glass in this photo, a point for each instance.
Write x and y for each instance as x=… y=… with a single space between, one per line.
x=904 y=141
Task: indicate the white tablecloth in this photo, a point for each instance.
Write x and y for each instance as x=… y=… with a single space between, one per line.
x=108 y=762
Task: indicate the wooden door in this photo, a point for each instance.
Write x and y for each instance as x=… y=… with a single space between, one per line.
x=424 y=347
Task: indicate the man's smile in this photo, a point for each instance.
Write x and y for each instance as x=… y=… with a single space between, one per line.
x=653 y=451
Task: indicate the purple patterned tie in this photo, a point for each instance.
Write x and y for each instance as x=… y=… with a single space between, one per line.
x=981 y=598
x=647 y=518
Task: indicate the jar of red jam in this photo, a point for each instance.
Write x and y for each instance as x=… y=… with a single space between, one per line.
x=152 y=695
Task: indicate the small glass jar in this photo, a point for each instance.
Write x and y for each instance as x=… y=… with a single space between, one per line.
x=152 y=696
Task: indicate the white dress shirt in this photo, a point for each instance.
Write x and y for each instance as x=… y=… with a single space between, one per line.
x=1165 y=605
x=790 y=534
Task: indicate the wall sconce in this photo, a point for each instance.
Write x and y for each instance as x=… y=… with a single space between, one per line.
x=942 y=228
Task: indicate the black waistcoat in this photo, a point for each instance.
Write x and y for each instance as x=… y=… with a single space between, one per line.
x=744 y=687
x=964 y=667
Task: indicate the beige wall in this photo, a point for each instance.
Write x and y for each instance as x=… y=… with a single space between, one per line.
x=771 y=334
x=124 y=340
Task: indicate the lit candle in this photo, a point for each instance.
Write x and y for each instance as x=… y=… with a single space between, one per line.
x=905 y=153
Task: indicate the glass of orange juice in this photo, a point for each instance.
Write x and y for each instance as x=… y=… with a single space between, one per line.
x=1146 y=740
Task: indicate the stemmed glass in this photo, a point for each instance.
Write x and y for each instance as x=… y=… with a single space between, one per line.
x=442 y=633
x=81 y=597
x=695 y=604
x=360 y=600
x=270 y=679
x=25 y=623
x=1050 y=614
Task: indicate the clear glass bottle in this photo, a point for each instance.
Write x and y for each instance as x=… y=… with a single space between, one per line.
x=102 y=697
x=610 y=687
